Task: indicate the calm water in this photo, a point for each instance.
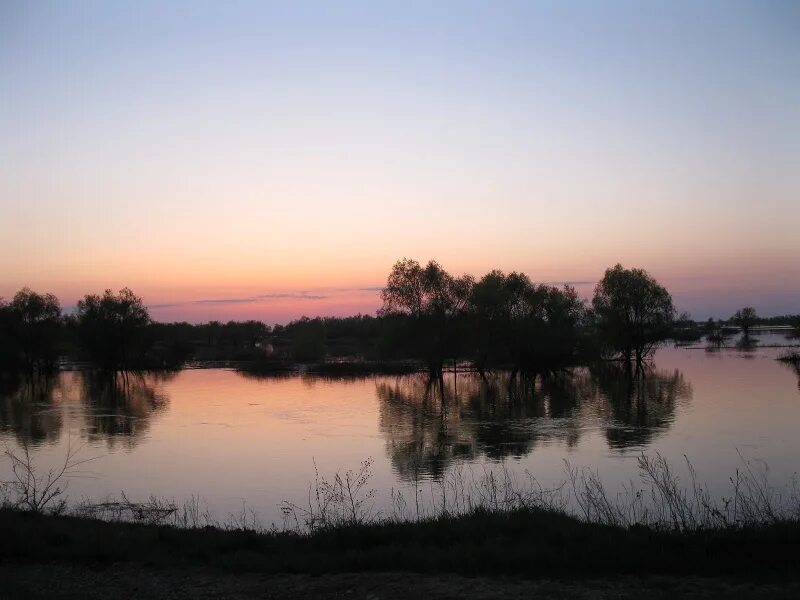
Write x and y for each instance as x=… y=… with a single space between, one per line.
x=229 y=437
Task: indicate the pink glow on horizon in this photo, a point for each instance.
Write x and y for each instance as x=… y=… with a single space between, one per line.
x=272 y=310
x=706 y=293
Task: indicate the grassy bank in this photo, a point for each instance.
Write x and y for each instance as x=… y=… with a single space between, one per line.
x=521 y=542
x=488 y=525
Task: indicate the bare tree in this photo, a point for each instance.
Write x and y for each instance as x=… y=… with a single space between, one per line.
x=745 y=318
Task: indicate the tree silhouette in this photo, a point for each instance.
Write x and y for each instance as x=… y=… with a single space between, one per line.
x=634 y=312
x=531 y=328
x=32 y=329
x=308 y=340
x=112 y=328
x=493 y=304
x=434 y=301
x=745 y=318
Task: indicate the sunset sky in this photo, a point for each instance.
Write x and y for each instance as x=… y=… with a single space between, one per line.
x=263 y=160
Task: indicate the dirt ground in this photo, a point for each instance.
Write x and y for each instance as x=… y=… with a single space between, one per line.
x=25 y=581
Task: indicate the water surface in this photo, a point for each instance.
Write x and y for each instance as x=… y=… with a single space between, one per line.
x=232 y=438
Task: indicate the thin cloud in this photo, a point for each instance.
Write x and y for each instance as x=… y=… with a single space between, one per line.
x=574 y=282
x=224 y=301
x=245 y=299
x=262 y=297
x=308 y=295
x=168 y=304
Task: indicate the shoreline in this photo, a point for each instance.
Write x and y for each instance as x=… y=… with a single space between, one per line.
x=522 y=545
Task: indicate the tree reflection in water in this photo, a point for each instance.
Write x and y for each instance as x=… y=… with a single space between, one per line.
x=429 y=424
x=793 y=365
x=27 y=410
x=640 y=408
x=119 y=407
x=110 y=408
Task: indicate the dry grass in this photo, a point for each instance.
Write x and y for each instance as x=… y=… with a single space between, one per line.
x=660 y=500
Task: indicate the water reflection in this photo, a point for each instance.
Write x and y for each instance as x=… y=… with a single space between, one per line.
x=793 y=366
x=428 y=424
x=119 y=407
x=219 y=427
x=512 y=415
x=747 y=343
x=424 y=432
x=27 y=409
x=109 y=408
x=640 y=408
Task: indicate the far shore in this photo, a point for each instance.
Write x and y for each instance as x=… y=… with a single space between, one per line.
x=356 y=366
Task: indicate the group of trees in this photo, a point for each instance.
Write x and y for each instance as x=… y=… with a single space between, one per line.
x=110 y=329
x=502 y=320
x=506 y=320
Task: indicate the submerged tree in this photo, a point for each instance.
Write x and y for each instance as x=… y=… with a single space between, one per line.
x=434 y=301
x=494 y=306
x=112 y=329
x=500 y=321
x=634 y=312
x=31 y=325
x=715 y=333
x=530 y=328
x=745 y=318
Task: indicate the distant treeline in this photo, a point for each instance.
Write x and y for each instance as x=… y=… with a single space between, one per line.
x=502 y=320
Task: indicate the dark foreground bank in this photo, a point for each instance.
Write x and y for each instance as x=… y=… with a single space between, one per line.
x=123 y=581
x=63 y=555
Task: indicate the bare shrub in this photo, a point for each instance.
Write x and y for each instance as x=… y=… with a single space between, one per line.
x=32 y=490
x=342 y=500
x=154 y=511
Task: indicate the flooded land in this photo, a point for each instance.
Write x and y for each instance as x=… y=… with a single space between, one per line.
x=230 y=441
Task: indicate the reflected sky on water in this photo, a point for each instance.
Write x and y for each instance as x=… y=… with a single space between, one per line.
x=229 y=437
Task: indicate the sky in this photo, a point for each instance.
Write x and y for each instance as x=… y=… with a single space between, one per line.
x=267 y=160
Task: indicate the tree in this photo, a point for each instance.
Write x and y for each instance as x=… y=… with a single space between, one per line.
x=563 y=313
x=634 y=312
x=112 y=328
x=255 y=332
x=492 y=306
x=7 y=354
x=715 y=333
x=32 y=324
x=434 y=301
x=405 y=291
x=308 y=339
x=745 y=318
x=532 y=328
